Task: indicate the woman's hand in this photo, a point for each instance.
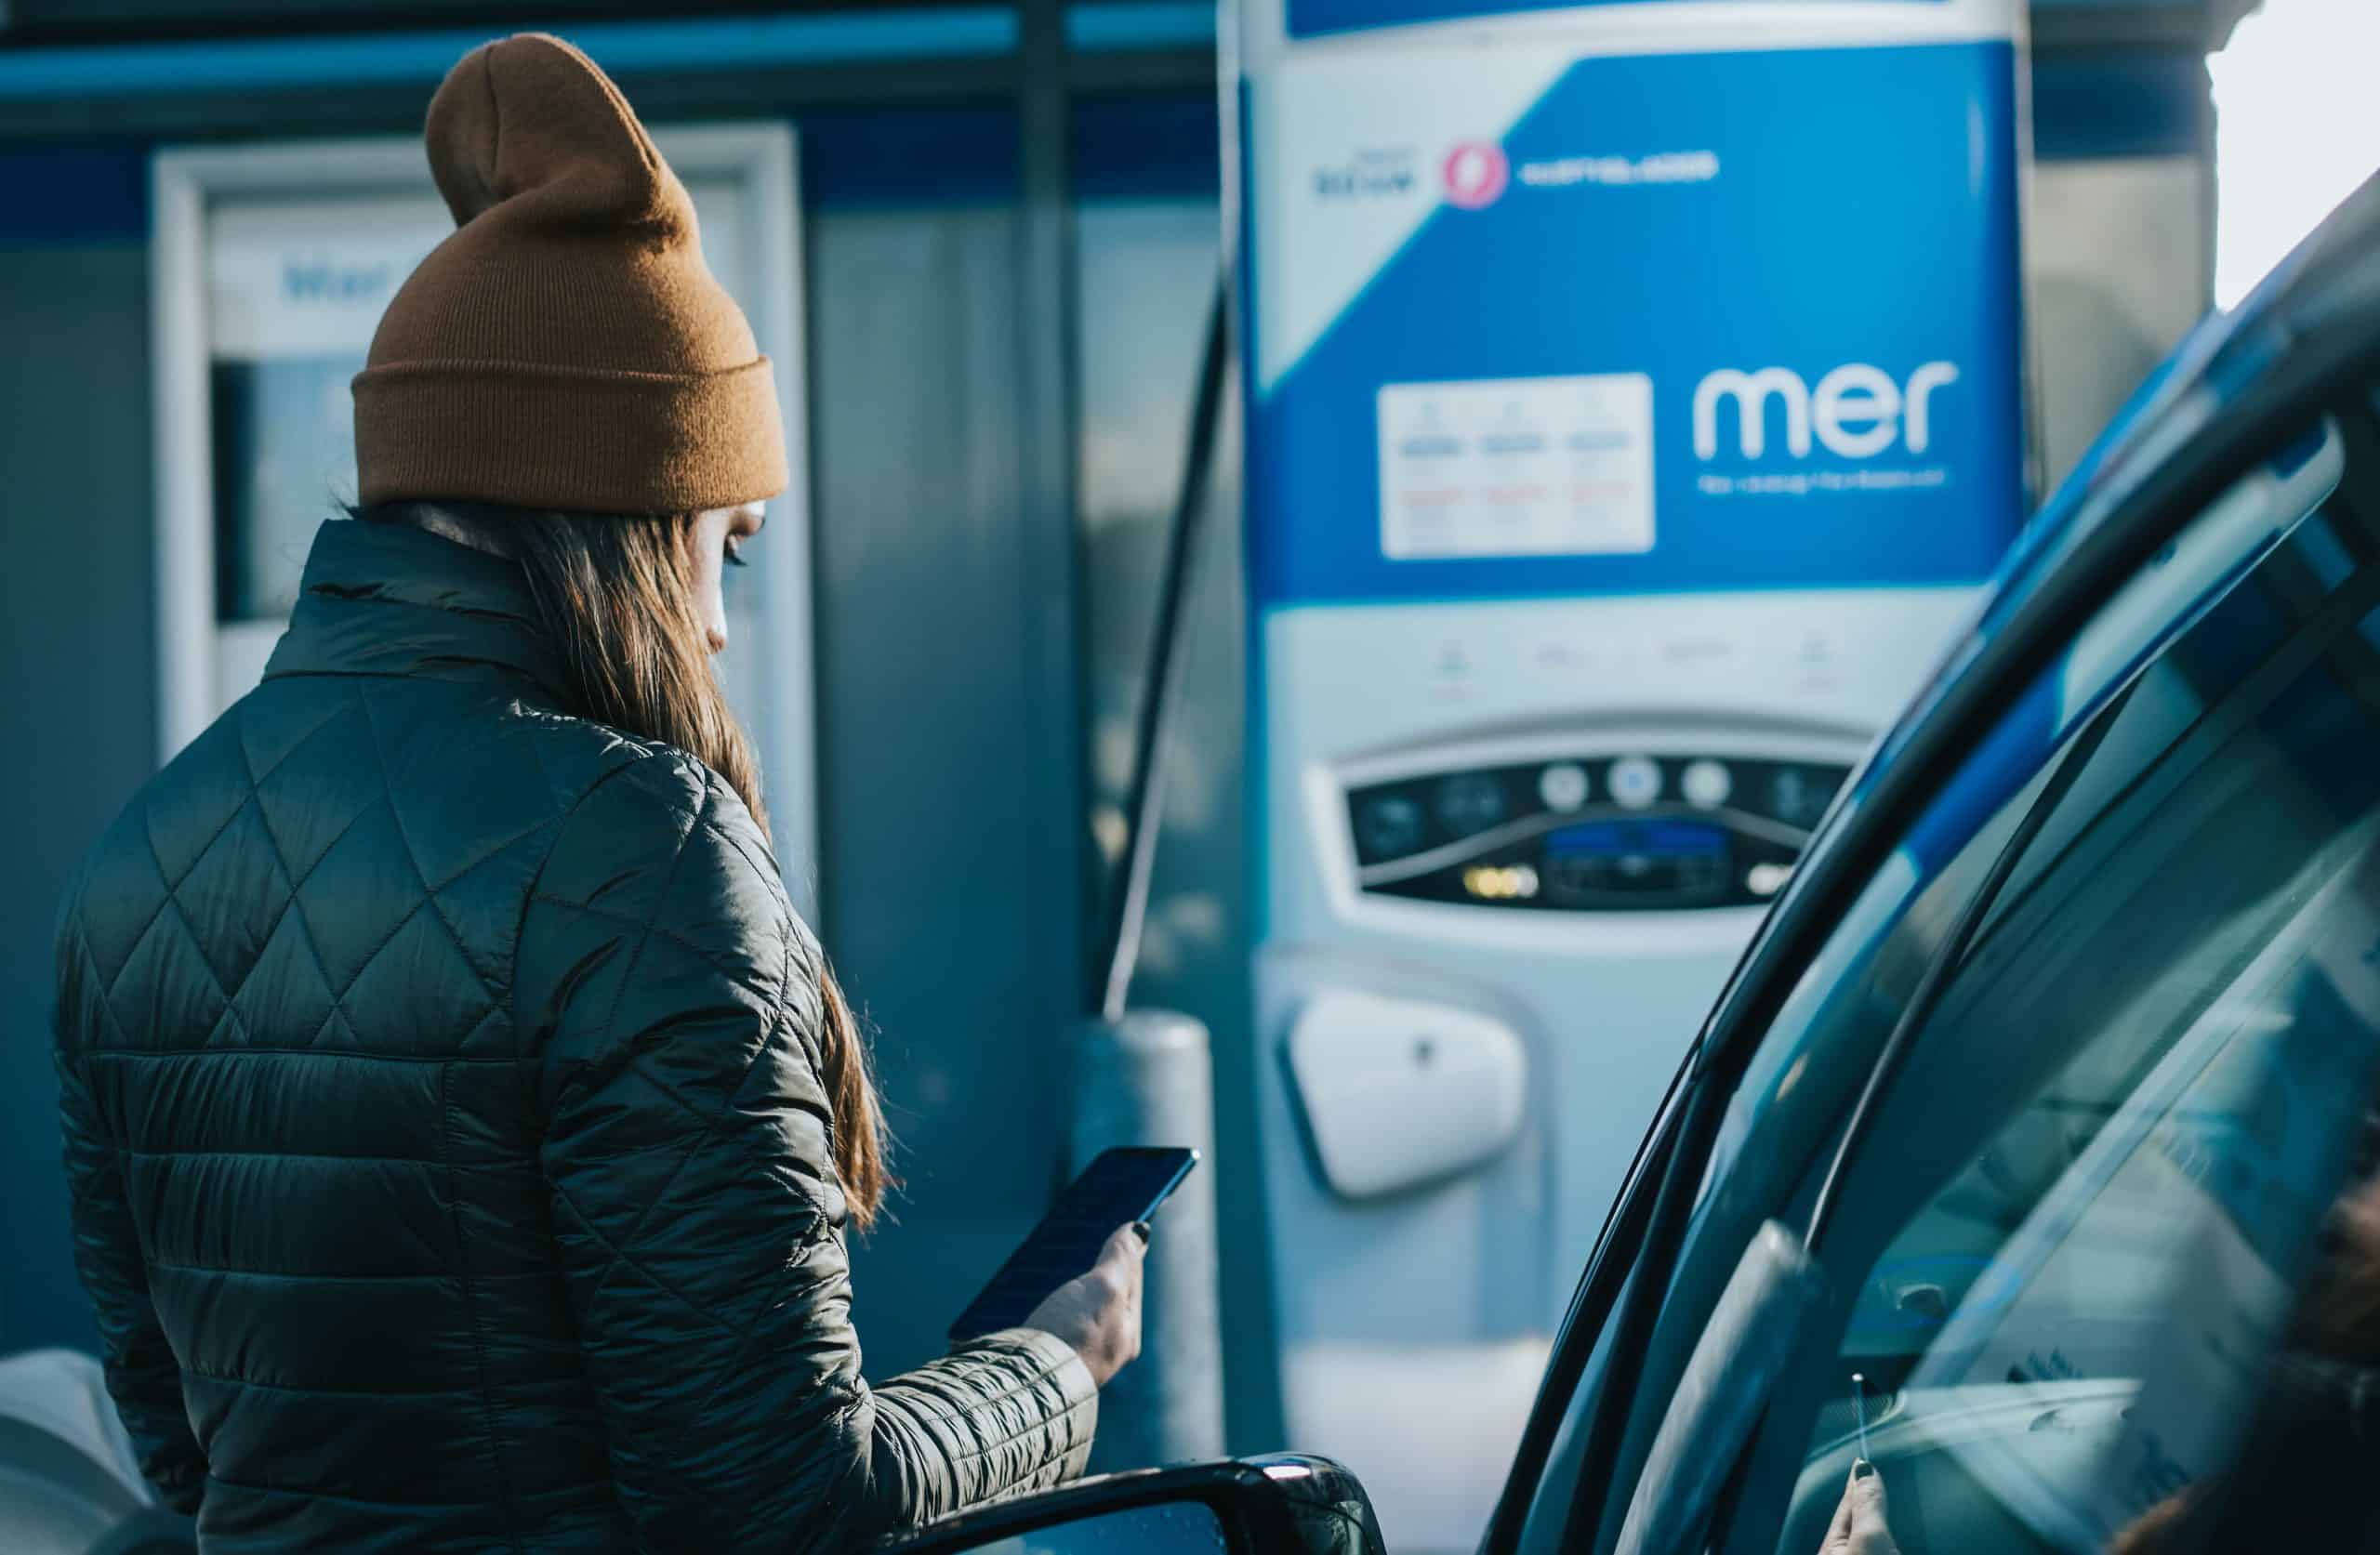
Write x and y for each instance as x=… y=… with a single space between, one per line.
x=1099 y=1313
x=1859 y=1527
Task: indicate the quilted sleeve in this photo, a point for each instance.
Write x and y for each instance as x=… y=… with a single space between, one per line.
x=671 y=1006
x=142 y=1375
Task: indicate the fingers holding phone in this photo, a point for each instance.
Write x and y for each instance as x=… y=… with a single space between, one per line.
x=1099 y=1310
x=1044 y=1284
x=1076 y=1267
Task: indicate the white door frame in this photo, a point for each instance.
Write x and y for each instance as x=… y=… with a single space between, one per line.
x=757 y=158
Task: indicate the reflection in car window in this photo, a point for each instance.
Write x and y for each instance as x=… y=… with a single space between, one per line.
x=2075 y=1232
x=1783 y=1119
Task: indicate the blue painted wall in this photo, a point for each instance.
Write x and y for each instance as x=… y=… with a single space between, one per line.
x=77 y=636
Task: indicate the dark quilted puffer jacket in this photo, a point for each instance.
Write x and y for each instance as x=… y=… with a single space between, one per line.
x=450 y=1165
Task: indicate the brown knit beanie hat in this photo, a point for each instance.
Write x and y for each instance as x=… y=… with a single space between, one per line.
x=565 y=347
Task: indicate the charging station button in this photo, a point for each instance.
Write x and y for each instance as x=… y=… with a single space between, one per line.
x=1470 y=802
x=1563 y=786
x=1388 y=826
x=1635 y=782
x=1706 y=784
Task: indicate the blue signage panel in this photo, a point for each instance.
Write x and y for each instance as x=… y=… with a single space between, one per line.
x=1714 y=322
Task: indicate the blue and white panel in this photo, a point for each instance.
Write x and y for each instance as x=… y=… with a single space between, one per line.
x=1633 y=393
x=1528 y=322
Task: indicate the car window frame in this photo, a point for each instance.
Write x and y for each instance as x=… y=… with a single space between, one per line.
x=2310 y=355
x=2356 y=424
x=2070 y=753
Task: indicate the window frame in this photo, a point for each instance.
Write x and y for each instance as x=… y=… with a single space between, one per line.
x=1760 y=1470
x=2239 y=391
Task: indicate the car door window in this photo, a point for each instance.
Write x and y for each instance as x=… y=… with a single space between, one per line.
x=1784 y=1118
x=2064 y=1247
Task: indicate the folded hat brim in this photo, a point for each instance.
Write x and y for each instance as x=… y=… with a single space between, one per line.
x=571 y=438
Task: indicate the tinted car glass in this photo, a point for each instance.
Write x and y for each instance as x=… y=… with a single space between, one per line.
x=2070 y=1239
x=1784 y=1119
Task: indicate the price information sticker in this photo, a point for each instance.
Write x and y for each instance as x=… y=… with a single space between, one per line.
x=1517 y=466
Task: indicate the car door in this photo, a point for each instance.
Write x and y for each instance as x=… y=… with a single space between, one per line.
x=1976 y=1083
x=2068 y=1223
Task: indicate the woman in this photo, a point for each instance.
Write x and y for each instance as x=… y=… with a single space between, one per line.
x=462 y=1129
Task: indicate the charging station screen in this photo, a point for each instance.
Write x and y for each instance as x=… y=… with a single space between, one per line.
x=1646 y=839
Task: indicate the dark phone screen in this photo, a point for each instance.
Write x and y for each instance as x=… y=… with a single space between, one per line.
x=1118 y=1187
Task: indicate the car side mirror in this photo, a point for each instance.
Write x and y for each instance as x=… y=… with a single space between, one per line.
x=1285 y=1503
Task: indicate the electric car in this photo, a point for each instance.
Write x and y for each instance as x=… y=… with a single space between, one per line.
x=2025 y=1156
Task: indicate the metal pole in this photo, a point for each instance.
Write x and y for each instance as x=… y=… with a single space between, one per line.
x=1144 y=1077
x=1148 y=1078
x=1046 y=304
x=1128 y=899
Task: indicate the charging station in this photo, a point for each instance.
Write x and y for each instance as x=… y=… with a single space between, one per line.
x=1635 y=401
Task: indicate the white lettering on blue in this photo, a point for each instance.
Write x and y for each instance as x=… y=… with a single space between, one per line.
x=1856 y=411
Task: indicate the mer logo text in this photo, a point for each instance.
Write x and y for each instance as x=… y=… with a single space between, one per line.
x=1856 y=411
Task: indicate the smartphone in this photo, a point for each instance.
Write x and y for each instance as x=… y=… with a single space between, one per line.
x=1118 y=1188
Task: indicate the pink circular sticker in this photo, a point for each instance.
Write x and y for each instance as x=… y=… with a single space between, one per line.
x=1476 y=173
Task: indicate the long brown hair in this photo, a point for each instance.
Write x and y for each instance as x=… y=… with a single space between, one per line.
x=616 y=595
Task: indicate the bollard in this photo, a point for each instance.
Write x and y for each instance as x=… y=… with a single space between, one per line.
x=1148 y=1078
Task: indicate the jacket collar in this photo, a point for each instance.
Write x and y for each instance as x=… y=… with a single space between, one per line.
x=387 y=598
